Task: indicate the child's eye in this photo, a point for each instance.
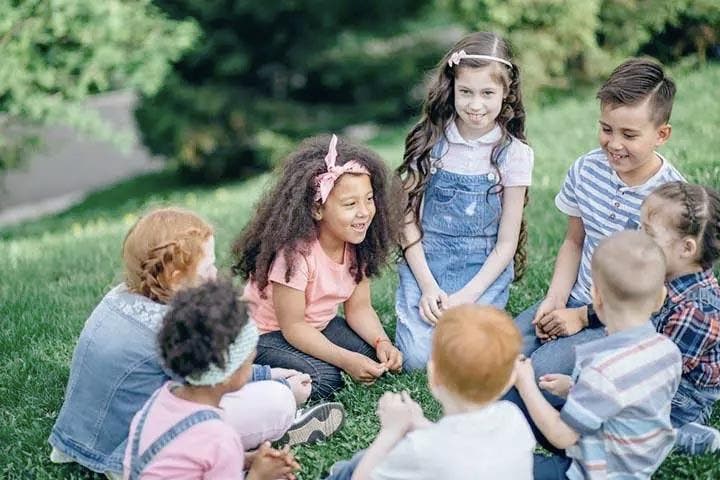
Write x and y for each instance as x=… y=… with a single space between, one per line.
x=465 y=92
x=630 y=137
x=349 y=204
x=605 y=130
x=488 y=93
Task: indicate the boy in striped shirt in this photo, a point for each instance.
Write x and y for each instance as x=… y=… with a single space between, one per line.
x=616 y=420
x=602 y=195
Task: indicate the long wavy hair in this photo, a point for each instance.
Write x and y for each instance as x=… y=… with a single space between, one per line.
x=439 y=110
x=283 y=217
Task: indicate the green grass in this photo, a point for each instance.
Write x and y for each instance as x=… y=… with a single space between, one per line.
x=56 y=269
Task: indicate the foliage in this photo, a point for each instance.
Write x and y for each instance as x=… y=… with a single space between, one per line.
x=563 y=41
x=284 y=69
x=56 y=270
x=56 y=53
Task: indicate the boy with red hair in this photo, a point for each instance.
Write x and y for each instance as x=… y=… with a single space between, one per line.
x=471 y=366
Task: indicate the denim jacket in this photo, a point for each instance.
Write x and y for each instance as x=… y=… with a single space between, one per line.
x=115 y=368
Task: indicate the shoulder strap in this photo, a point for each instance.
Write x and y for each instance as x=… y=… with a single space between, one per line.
x=138 y=463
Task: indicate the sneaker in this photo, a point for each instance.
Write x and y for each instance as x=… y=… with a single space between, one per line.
x=697 y=439
x=56 y=456
x=113 y=476
x=314 y=424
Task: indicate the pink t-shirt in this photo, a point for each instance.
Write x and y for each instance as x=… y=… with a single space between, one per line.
x=208 y=450
x=325 y=282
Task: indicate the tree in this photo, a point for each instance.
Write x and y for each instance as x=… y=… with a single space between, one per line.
x=55 y=53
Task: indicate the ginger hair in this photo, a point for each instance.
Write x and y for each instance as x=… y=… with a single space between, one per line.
x=162 y=249
x=474 y=351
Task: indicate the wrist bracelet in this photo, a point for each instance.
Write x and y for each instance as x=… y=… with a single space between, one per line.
x=381 y=339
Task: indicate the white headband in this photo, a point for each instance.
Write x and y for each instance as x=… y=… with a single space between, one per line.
x=460 y=54
x=238 y=352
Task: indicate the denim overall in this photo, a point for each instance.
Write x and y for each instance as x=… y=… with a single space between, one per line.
x=460 y=220
x=139 y=462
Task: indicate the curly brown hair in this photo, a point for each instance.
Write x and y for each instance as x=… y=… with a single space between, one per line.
x=162 y=244
x=439 y=110
x=200 y=326
x=283 y=217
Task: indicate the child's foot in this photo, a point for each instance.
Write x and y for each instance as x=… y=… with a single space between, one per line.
x=697 y=439
x=56 y=456
x=314 y=424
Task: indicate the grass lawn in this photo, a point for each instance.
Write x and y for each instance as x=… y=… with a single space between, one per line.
x=56 y=269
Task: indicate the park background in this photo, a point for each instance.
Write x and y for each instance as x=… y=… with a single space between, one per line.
x=226 y=88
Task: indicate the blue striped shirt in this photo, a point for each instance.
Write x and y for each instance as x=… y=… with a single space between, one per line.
x=594 y=192
x=620 y=404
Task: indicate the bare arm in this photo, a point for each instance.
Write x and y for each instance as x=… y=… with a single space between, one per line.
x=504 y=251
x=361 y=315
x=567 y=263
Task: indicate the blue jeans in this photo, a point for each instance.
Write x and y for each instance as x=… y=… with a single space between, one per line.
x=692 y=404
x=343 y=470
x=275 y=351
x=553 y=467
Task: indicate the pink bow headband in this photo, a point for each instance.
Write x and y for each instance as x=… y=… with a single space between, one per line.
x=460 y=54
x=325 y=182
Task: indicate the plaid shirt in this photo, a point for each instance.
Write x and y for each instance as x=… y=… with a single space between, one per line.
x=691 y=318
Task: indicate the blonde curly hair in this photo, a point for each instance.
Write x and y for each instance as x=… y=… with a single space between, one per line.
x=162 y=249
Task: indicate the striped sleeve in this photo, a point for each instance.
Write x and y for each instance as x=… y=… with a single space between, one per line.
x=566 y=200
x=592 y=400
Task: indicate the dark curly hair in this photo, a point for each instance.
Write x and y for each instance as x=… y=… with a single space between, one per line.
x=200 y=326
x=283 y=216
x=439 y=110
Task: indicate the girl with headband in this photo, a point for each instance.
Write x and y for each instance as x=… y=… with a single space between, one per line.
x=181 y=432
x=466 y=171
x=318 y=235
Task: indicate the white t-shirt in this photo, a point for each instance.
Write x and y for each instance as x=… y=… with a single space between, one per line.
x=495 y=442
x=472 y=157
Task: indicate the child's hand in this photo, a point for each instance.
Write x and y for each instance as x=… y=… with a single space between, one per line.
x=418 y=417
x=548 y=305
x=278 y=373
x=525 y=374
x=562 y=322
x=556 y=383
x=389 y=356
x=301 y=386
x=271 y=464
x=432 y=303
x=396 y=413
x=461 y=297
x=363 y=369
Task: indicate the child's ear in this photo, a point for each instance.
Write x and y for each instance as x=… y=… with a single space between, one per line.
x=317 y=212
x=689 y=248
x=663 y=134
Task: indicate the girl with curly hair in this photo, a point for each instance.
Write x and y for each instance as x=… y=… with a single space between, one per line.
x=181 y=431
x=318 y=235
x=116 y=367
x=466 y=171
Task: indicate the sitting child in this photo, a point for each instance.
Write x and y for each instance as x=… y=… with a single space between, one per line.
x=317 y=237
x=616 y=421
x=180 y=432
x=115 y=366
x=471 y=365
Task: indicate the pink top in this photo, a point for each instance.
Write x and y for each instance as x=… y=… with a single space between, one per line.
x=208 y=450
x=325 y=282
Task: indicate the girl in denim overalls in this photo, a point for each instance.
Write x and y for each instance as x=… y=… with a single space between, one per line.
x=466 y=170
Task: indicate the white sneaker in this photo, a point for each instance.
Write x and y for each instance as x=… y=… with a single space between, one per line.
x=56 y=456
x=314 y=424
x=113 y=476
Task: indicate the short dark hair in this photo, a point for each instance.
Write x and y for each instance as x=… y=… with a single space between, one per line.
x=199 y=327
x=635 y=80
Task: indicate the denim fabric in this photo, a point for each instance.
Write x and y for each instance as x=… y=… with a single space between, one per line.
x=115 y=368
x=460 y=221
x=692 y=404
x=275 y=351
x=344 y=469
x=553 y=467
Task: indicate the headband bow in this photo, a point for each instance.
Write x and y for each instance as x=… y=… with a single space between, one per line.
x=460 y=54
x=325 y=182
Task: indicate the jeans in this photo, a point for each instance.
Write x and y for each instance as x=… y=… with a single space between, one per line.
x=691 y=406
x=344 y=469
x=275 y=351
x=553 y=467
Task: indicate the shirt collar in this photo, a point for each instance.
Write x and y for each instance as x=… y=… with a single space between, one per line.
x=624 y=338
x=648 y=184
x=490 y=138
x=678 y=287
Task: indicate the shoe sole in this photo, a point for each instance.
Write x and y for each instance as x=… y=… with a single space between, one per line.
x=316 y=425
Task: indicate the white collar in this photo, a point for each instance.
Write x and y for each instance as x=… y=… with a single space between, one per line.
x=490 y=138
